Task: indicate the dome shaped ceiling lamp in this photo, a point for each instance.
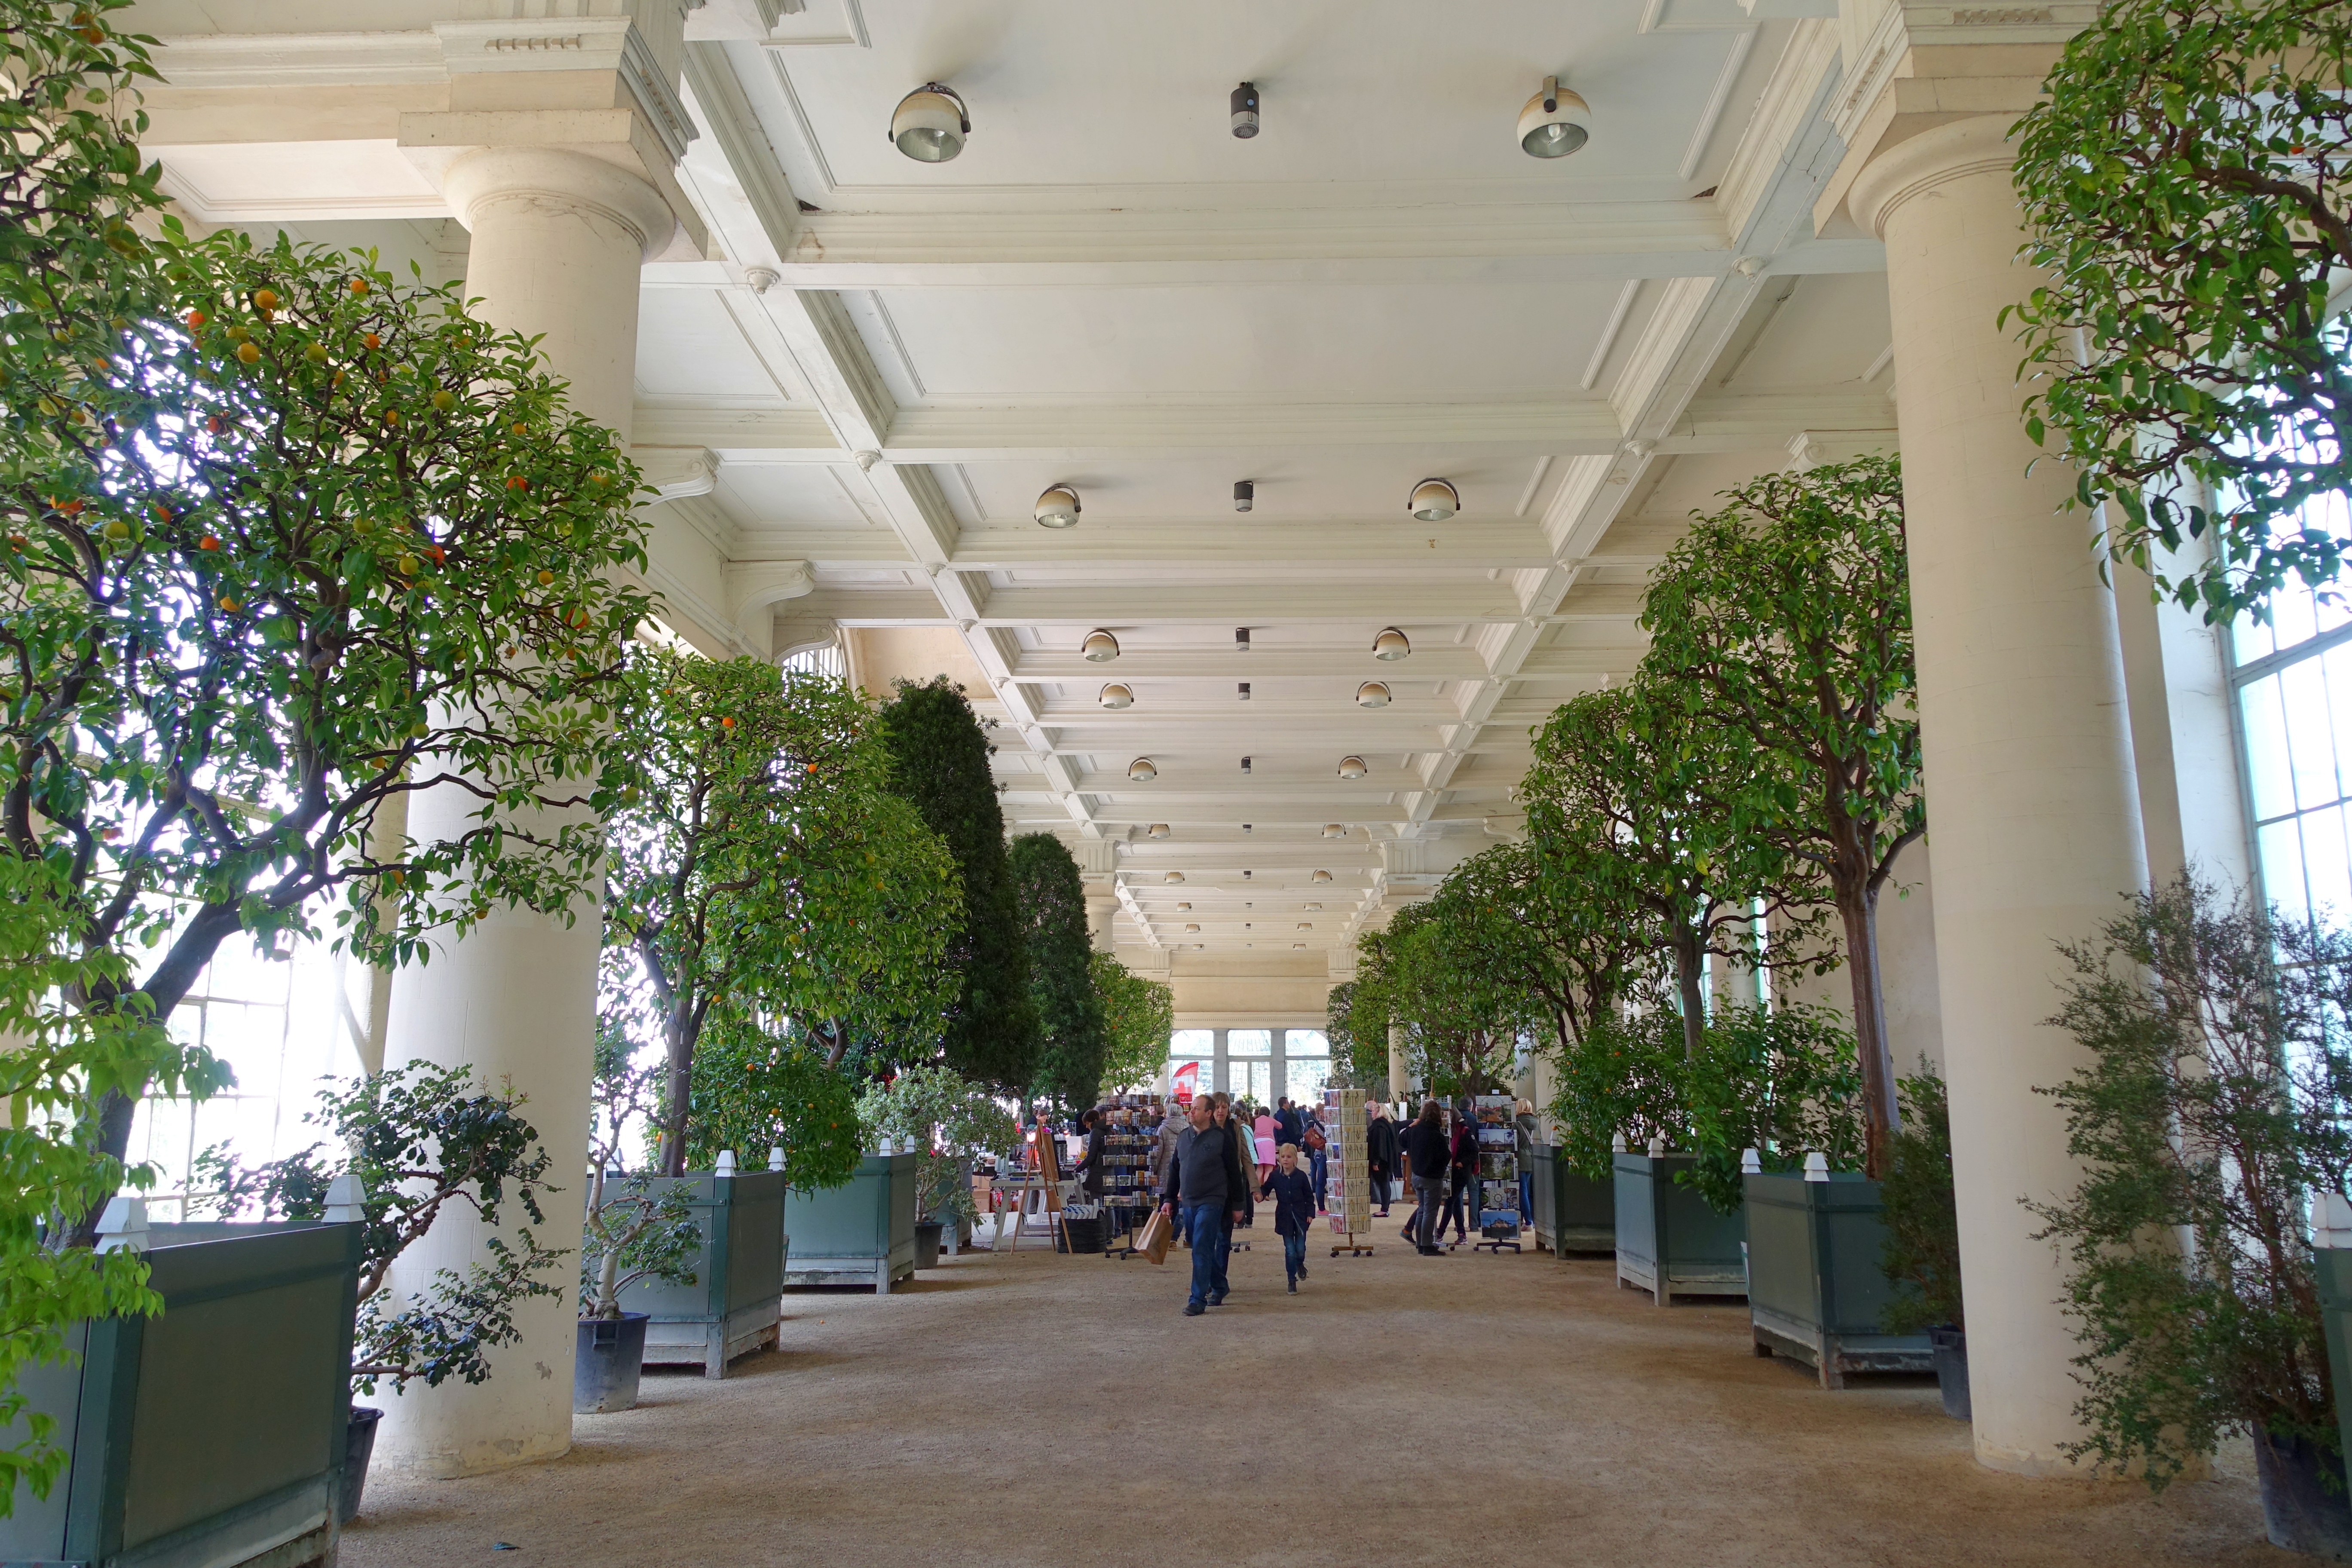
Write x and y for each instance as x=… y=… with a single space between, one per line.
x=1182 y=908
x=1352 y=767
x=1058 y=508
x=1173 y=878
x=1320 y=877
x=1306 y=925
x=1334 y=830
x=1372 y=694
x=1555 y=123
x=1157 y=830
x=1142 y=769
x=1116 y=696
x=1434 y=500
x=1312 y=908
x=1389 y=647
x=930 y=123
x=1101 y=648
x=1190 y=927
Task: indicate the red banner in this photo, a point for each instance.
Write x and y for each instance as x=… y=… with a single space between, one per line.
x=1184 y=1081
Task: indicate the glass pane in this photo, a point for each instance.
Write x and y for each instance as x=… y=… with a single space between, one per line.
x=2251 y=639
x=1305 y=1043
x=2294 y=615
x=1186 y=1044
x=2281 y=850
x=2328 y=864
x=1250 y=1081
x=1305 y=1077
x=1249 y=1042
x=2302 y=693
x=2266 y=760
x=2336 y=666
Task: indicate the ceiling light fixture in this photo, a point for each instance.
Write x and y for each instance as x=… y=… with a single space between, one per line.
x=1306 y=925
x=1191 y=927
x=1240 y=640
x=1173 y=876
x=1101 y=648
x=1244 y=104
x=1555 y=123
x=1298 y=947
x=1142 y=769
x=1058 y=508
x=1245 y=494
x=1246 y=762
x=1372 y=694
x=1116 y=695
x=1157 y=830
x=1389 y=646
x=1320 y=877
x=1314 y=909
x=1434 y=500
x=1183 y=906
x=1353 y=768
x=1244 y=691
x=1333 y=830
x=930 y=123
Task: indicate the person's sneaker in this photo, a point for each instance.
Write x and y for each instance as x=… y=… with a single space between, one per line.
x=1294 y=1287
x=1218 y=1299
x=1302 y=1271
x=1193 y=1308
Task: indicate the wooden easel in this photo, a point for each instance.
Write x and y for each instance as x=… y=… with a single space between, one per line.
x=1041 y=1181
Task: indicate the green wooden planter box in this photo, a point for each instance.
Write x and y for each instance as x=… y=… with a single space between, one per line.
x=1814 y=1287
x=212 y=1436
x=1668 y=1241
x=732 y=1306
x=2335 y=1269
x=1573 y=1213
x=861 y=1232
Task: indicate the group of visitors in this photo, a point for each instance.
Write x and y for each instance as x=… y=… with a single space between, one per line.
x=1211 y=1178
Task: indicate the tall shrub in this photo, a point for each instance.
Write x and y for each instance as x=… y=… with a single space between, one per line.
x=2182 y=178
x=1786 y=618
x=1138 y=1017
x=940 y=761
x=1073 y=1040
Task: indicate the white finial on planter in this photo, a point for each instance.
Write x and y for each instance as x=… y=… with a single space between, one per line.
x=1657 y=1145
x=1617 y=1144
x=1817 y=1166
x=347 y=1200
x=123 y=1227
x=2331 y=1220
x=776 y=1157
x=726 y=1165
x=1750 y=1163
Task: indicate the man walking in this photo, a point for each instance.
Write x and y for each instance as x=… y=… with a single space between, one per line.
x=1202 y=1192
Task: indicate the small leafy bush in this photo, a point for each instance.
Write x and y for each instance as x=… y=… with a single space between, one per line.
x=1922 y=1258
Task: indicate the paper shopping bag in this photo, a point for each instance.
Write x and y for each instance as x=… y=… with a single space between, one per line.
x=1154 y=1241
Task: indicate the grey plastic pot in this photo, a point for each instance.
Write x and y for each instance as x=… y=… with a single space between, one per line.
x=357 y=1448
x=927 y=1233
x=2305 y=1505
x=1950 y=1348
x=606 y=1364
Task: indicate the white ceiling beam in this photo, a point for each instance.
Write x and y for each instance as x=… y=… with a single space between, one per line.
x=1207 y=603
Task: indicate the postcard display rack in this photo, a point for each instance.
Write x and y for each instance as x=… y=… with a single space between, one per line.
x=1348 y=1188
x=1127 y=1194
x=1498 y=1172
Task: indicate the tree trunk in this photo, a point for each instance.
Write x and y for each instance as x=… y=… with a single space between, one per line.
x=679 y=1034
x=1691 y=977
x=1858 y=911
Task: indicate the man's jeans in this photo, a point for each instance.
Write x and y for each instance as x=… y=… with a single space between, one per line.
x=1318 y=1160
x=1204 y=1228
x=1429 y=1219
x=1526 y=1197
x=1294 y=1255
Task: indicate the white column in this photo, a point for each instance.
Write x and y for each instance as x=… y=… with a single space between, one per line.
x=558 y=238
x=1398 y=1068
x=2031 y=800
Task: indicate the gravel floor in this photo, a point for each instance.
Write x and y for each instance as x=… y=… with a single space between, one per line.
x=1036 y=1409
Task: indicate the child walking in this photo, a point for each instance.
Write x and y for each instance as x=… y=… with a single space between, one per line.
x=1293 y=1210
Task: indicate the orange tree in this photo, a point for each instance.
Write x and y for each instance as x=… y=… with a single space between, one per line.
x=1785 y=619
x=759 y=864
x=1617 y=800
x=1549 y=923
x=287 y=544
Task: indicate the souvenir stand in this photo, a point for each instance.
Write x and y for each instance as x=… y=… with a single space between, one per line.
x=1498 y=1173
x=1347 y=1187
x=1127 y=1196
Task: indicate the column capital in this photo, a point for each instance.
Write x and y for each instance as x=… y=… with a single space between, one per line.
x=1918 y=163
x=485 y=177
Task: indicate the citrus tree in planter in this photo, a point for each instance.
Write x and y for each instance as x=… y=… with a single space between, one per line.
x=938 y=760
x=1463 y=1009
x=1616 y=782
x=2216 y=1099
x=949 y=1118
x=1786 y=619
x=760 y=863
x=1556 y=924
x=2182 y=180
x=1138 y=1016
x=756 y=1091
x=288 y=542
x=1071 y=1033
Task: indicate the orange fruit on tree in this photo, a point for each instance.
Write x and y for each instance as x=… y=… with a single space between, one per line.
x=265 y=298
x=248 y=353
x=517 y=482
x=372 y=341
x=359 y=285
x=197 y=318
x=208 y=542
x=545 y=578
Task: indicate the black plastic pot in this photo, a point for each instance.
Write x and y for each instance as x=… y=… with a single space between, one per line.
x=1078 y=1236
x=606 y=1364
x=926 y=1242
x=357 y=1448
x=2305 y=1505
x=1951 y=1352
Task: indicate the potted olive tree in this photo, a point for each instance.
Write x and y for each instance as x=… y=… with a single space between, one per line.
x=946 y=1119
x=407 y=1145
x=1922 y=1259
x=2216 y=1099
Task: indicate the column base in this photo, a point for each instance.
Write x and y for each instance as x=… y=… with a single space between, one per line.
x=475 y=1458
x=2050 y=1466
